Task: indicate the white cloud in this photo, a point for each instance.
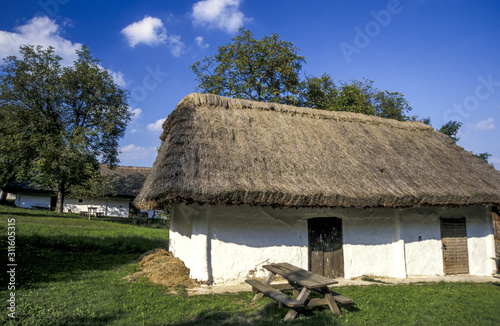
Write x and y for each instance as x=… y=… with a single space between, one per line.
x=156 y=126
x=136 y=113
x=45 y=32
x=485 y=124
x=175 y=45
x=136 y=116
x=137 y=155
x=151 y=31
x=221 y=14
x=38 y=31
x=118 y=78
x=201 y=42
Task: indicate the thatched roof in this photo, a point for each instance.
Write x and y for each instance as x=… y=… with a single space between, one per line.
x=221 y=150
x=126 y=181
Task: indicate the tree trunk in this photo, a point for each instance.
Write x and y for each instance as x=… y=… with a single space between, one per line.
x=61 y=192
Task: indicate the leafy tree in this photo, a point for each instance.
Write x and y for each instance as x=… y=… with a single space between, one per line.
x=451 y=129
x=319 y=93
x=268 y=70
x=354 y=96
x=57 y=124
x=483 y=156
x=261 y=70
x=392 y=105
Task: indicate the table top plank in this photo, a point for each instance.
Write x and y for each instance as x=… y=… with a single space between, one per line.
x=299 y=275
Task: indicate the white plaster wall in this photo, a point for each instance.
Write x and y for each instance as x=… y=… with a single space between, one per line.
x=28 y=200
x=180 y=234
x=110 y=207
x=227 y=244
x=242 y=242
x=422 y=236
x=372 y=246
x=480 y=241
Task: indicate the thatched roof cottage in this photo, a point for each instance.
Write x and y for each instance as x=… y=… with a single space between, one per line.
x=339 y=193
x=124 y=185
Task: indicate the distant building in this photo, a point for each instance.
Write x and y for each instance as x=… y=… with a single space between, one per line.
x=125 y=182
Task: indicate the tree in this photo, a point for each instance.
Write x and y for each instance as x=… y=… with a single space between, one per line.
x=451 y=129
x=261 y=70
x=319 y=93
x=483 y=156
x=57 y=124
x=354 y=96
x=268 y=70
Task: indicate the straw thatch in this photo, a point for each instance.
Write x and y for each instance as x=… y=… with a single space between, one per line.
x=125 y=181
x=221 y=150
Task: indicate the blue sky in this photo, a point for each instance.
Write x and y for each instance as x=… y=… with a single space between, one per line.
x=444 y=56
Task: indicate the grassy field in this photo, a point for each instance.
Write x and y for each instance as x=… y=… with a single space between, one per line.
x=70 y=271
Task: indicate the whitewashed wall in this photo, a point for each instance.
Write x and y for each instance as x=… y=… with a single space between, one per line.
x=227 y=244
x=180 y=237
x=29 y=200
x=110 y=207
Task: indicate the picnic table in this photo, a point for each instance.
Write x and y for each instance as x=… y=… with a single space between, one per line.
x=92 y=211
x=302 y=280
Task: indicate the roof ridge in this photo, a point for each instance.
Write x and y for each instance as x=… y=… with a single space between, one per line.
x=212 y=101
x=127 y=168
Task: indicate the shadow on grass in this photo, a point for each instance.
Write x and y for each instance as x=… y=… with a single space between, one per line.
x=269 y=314
x=265 y=317
x=56 y=258
x=34 y=213
x=99 y=320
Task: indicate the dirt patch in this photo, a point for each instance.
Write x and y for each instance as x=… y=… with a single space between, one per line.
x=161 y=267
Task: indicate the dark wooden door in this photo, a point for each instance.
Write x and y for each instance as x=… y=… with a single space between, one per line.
x=454 y=245
x=53 y=202
x=325 y=246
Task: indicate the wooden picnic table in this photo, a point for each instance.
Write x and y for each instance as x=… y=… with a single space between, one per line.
x=92 y=211
x=298 y=278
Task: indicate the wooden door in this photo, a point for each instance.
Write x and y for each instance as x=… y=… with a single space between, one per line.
x=454 y=245
x=325 y=246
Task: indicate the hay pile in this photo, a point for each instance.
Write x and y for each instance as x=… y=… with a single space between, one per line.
x=161 y=267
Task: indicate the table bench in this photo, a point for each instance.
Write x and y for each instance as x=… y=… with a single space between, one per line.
x=298 y=278
x=271 y=292
x=40 y=207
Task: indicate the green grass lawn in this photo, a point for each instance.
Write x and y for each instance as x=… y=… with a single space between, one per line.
x=70 y=272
